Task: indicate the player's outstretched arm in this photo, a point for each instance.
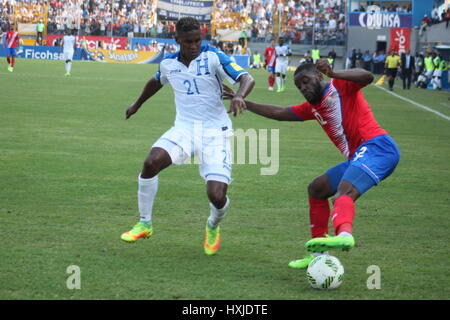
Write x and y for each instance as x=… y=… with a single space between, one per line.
x=152 y=87
x=265 y=110
x=357 y=75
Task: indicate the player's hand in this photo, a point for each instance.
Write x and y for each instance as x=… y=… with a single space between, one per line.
x=237 y=104
x=323 y=66
x=131 y=110
x=227 y=93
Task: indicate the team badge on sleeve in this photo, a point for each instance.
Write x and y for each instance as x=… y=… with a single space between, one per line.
x=236 y=67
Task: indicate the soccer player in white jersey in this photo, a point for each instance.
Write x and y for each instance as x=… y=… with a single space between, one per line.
x=282 y=52
x=202 y=126
x=69 y=48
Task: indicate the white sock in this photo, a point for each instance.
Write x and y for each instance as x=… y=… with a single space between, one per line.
x=279 y=82
x=69 y=66
x=345 y=234
x=216 y=215
x=146 y=195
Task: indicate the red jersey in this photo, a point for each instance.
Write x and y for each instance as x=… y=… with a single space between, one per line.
x=344 y=115
x=270 y=56
x=12 y=39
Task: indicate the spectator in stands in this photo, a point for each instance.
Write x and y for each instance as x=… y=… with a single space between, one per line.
x=434 y=15
x=447 y=17
x=424 y=23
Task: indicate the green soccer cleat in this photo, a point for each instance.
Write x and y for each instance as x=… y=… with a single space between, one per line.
x=140 y=230
x=67 y=74
x=283 y=88
x=212 y=240
x=330 y=243
x=301 y=263
x=10 y=69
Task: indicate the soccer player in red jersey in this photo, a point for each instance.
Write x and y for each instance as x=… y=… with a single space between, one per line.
x=11 y=44
x=270 y=57
x=345 y=116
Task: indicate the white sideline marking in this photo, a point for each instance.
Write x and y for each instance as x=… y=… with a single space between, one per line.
x=415 y=103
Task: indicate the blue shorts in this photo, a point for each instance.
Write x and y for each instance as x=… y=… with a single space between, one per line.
x=371 y=163
x=11 y=51
x=271 y=69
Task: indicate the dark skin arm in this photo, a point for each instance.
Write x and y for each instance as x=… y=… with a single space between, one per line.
x=357 y=75
x=152 y=87
x=246 y=84
x=265 y=110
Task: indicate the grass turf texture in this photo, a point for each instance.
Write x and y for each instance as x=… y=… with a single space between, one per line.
x=68 y=178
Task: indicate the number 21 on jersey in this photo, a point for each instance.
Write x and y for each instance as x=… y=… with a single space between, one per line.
x=192 y=87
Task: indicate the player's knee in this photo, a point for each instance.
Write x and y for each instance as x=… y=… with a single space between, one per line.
x=317 y=189
x=152 y=166
x=217 y=196
x=149 y=166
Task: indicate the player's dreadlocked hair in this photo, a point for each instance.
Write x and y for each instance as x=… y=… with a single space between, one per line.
x=187 y=24
x=306 y=66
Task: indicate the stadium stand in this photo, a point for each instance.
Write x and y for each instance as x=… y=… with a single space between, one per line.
x=257 y=19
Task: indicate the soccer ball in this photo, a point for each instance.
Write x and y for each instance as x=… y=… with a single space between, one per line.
x=325 y=272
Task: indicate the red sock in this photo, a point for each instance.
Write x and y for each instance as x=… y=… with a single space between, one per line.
x=319 y=214
x=343 y=214
x=271 y=80
x=8 y=60
x=12 y=62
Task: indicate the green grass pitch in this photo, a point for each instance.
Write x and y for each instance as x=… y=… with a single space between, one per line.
x=68 y=179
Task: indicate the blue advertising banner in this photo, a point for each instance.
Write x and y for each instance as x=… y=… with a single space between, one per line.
x=175 y=9
x=56 y=53
x=41 y=52
x=379 y=20
x=243 y=61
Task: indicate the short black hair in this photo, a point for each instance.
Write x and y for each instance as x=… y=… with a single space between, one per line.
x=187 y=24
x=306 y=66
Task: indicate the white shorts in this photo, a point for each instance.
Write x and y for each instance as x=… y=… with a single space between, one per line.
x=68 y=55
x=437 y=73
x=281 y=67
x=212 y=153
x=429 y=74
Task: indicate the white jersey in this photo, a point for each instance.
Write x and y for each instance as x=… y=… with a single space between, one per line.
x=198 y=88
x=282 y=52
x=69 y=43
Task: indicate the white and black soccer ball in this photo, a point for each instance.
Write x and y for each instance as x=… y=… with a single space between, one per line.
x=325 y=272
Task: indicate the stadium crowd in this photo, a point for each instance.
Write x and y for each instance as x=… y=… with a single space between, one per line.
x=302 y=21
x=89 y=17
x=320 y=23
x=392 y=7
